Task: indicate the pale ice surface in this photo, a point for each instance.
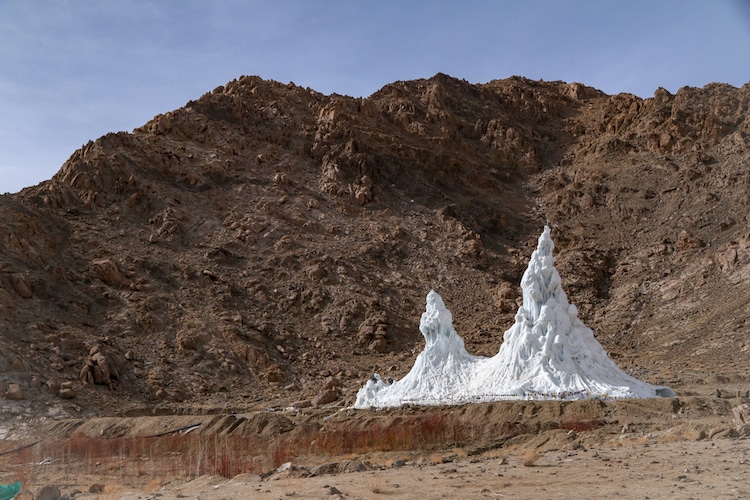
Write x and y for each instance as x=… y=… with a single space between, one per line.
x=548 y=353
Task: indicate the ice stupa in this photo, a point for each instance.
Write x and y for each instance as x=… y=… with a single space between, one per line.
x=547 y=354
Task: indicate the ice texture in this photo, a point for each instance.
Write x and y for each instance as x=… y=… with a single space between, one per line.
x=548 y=353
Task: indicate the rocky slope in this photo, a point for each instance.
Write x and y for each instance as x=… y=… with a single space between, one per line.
x=267 y=244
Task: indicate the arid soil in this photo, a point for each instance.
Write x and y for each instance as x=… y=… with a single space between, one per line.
x=652 y=448
x=685 y=469
x=267 y=246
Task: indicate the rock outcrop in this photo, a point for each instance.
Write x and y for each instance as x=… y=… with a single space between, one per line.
x=265 y=215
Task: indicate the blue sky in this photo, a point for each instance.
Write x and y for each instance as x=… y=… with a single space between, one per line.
x=73 y=70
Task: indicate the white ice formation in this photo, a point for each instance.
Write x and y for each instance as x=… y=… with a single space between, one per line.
x=547 y=354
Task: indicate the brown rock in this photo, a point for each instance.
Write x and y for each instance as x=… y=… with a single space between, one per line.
x=506 y=291
x=316 y=272
x=275 y=376
x=374 y=327
x=280 y=179
x=331 y=383
x=53 y=386
x=686 y=241
x=741 y=415
x=109 y=273
x=66 y=393
x=14 y=392
x=326 y=397
x=22 y=286
x=378 y=345
x=258 y=226
x=720 y=432
x=163 y=124
x=101 y=369
x=49 y=492
x=727 y=258
x=343 y=467
x=96 y=488
x=665 y=141
x=365 y=333
x=363 y=195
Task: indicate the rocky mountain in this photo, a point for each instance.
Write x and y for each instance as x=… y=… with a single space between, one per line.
x=267 y=244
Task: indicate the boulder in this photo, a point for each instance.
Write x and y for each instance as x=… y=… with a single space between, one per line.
x=22 y=286
x=378 y=345
x=161 y=124
x=665 y=141
x=96 y=488
x=66 y=393
x=316 y=272
x=14 y=391
x=374 y=327
x=343 y=467
x=53 y=386
x=109 y=273
x=741 y=416
x=49 y=492
x=686 y=241
x=363 y=195
x=275 y=376
x=100 y=368
x=326 y=397
x=331 y=383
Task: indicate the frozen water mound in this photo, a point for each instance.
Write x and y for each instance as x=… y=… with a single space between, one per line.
x=548 y=353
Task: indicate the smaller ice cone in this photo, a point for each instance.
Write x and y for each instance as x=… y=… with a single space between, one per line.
x=441 y=373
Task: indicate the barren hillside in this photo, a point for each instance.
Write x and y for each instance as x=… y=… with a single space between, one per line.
x=267 y=244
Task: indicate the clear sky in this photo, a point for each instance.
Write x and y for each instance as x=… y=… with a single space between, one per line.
x=73 y=70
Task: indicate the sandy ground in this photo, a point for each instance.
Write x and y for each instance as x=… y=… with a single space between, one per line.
x=684 y=448
x=628 y=468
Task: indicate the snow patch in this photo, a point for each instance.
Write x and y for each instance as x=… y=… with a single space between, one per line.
x=548 y=353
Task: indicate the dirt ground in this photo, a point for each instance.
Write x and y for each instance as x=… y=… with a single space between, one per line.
x=686 y=447
x=627 y=469
x=624 y=468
